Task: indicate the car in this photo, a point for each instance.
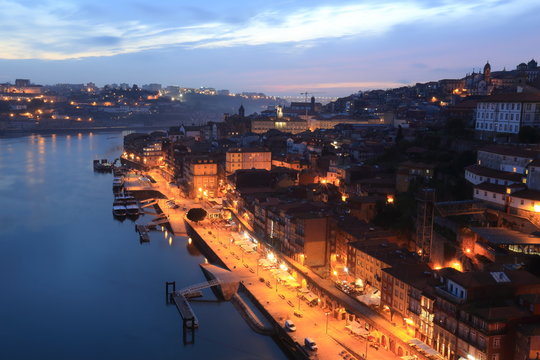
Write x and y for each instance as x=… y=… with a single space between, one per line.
x=289 y=325
x=298 y=314
x=310 y=344
x=281 y=296
x=261 y=279
x=290 y=303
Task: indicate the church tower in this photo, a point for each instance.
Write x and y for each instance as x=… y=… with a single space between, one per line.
x=241 y=111
x=487 y=73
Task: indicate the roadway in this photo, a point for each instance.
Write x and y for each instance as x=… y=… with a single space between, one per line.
x=333 y=339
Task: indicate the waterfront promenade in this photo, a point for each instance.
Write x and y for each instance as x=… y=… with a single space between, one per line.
x=282 y=302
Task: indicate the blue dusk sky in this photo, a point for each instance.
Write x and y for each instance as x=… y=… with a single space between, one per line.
x=278 y=47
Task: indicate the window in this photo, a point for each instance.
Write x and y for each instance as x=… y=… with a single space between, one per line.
x=496 y=343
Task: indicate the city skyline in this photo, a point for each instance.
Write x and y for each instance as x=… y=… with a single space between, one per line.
x=281 y=48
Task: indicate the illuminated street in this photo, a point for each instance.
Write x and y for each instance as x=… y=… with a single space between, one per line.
x=329 y=333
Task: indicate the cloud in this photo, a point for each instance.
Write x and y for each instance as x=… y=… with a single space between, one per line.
x=338 y=85
x=59 y=30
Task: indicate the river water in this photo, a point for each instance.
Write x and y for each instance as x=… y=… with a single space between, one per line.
x=76 y=284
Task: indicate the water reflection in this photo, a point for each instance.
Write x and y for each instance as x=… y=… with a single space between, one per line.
x=100 y=293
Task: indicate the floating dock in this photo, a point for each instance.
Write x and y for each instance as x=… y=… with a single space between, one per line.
x=185 y=310
x=143 y=233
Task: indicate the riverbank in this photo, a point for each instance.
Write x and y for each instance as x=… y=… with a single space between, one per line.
x=71 y=131
x=276 y=299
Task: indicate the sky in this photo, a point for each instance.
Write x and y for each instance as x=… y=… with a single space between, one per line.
x=280 y=47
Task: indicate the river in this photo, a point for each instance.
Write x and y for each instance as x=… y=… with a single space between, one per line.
x=77 y=284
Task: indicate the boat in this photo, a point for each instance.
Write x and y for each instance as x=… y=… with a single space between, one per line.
x=132 y=206
x=103 y=165
x=118 y=182
x=119 y=208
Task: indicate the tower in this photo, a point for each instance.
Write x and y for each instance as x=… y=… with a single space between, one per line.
x=487 y=73
x=424 y=222
x=279 y=111
x=312 y=103
x=241 y=111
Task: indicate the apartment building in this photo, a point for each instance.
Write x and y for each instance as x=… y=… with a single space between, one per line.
x=200 y=176
x=247 y=158
x=507 y=113
x=469 y=323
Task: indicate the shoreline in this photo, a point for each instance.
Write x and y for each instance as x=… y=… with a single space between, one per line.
x=70 y=131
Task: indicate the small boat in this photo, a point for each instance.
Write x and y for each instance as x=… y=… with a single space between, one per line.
x=132 y=206
x=103 y=165
x=119 y=208
x=118 y=182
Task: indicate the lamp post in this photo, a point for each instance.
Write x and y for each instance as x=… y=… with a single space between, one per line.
x=327 y=313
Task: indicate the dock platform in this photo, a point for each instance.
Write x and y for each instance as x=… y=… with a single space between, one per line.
x=143 y=232
x=184 y=308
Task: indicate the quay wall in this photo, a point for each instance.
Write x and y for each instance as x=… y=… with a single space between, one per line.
x=203 y=247
x=254 y=322
x=292 y=349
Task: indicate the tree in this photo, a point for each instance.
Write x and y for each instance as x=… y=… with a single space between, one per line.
x=196 y=214
x=528 y=135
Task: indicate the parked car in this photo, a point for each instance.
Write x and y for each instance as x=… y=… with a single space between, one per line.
x=310 y=344
x=289 y=325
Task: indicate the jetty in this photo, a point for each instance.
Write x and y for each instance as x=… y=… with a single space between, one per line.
x=143 y=232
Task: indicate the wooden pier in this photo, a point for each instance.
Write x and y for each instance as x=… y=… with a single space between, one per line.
x=143 y=233
x=189 y=320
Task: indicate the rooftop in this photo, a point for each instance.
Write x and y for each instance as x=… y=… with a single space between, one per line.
x=493 y=173
x=504 y=236
x=510 y=151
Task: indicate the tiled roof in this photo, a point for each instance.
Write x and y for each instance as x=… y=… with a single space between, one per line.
x=486 y=186
x=513 y=97
x=510 y=151
x=492 y=173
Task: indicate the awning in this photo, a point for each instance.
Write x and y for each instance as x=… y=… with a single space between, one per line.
x=424 y=347
x=310 y=296
x=355 y=328
x=247 y=248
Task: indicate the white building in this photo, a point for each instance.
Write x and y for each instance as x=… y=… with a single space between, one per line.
x=507 y=113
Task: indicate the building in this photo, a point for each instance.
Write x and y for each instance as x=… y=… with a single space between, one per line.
x=200 y=176
x=410 y=171
x=405 y=293
x=247 y=158
x=477 y=174
x=507 y=114
x=470 y=325
x=300 y=230
x=367 y=259
x=290 y=161
x=261 y=126
x=153 y=154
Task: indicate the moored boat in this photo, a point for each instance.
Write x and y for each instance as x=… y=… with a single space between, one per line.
x=118 y=182
x=132 y=207
x=119 y=208
x=103 y=165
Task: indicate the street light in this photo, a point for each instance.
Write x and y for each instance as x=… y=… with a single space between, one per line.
x=327 y=313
